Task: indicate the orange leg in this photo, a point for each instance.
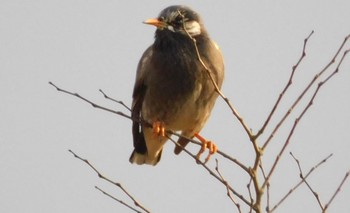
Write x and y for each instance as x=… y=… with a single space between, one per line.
x=158 y=128
x=205 y=144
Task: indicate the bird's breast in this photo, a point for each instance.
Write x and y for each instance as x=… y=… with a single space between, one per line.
x=173 y=84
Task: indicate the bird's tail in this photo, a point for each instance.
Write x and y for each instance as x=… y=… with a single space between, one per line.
x=183 y=142
x=144 y=158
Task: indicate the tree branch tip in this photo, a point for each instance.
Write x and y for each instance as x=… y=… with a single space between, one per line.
x=52 y=84
x=217 y=164
x=329 y=156
x=103 y=93
x=312 y=32
x=69 y=150
x=307 y=38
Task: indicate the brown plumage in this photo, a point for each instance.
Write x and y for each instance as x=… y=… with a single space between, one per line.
x=172 y=88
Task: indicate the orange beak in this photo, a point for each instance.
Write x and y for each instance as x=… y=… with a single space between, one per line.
x=155 y=22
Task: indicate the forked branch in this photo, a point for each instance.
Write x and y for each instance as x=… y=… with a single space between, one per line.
x=289 y=83
x=303 y=179
x=336 y=192
x=307 y=107
x=100 y=175
x=317 y=76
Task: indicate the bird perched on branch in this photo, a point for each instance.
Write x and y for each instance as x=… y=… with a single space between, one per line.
x=173 y=88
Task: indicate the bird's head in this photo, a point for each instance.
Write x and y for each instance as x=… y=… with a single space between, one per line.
x=178 y=19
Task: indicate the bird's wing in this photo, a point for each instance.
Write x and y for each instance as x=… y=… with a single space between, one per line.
x=138 y=96
x=219 y=67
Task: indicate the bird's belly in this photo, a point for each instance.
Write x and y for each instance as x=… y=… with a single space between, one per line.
x=181 y=112
x=186 y=120
x=189 y=116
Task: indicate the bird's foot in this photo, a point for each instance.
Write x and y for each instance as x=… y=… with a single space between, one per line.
x=158 y=128
x=205 y=145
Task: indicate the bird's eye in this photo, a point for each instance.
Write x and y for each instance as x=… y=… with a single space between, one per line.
x=178 y=20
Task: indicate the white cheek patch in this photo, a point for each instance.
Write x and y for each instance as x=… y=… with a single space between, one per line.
x=193 y=28
x=171 y=28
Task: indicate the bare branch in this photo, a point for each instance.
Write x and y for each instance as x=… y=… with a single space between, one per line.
x=90 y=102
x=227 y=187
x=250 y=195
x=305 y=109
x=211 y=172
x=223 y=154
x=136 y=203
x=300 y=182
x=112 y=99
x=336 y=191
x=306 y=182
x=317 y=76
x=116 y=199
x=290 y=80
x=233 y=160
x=267 y=187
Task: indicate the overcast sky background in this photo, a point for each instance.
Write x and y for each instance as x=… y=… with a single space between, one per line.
x=83 y=46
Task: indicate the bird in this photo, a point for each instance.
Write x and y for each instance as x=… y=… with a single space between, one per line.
x=173 y=90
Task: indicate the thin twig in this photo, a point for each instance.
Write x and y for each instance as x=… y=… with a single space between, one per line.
x=100 y=175
x=250 y=195
x=211 y=172
x=223 y=154
x=289 y=83
x=227 y=186
x=314 y=193
x=90 y=102
x=112 y=99
x=332 y=61
x=267 y=187
x=336 y=191
x=306 y=108
x=293 y=189
x=118 y=200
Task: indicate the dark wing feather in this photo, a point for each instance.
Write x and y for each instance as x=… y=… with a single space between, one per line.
x=138 y=96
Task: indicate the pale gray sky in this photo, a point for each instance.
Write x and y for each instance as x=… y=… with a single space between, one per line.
x=84 y=46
